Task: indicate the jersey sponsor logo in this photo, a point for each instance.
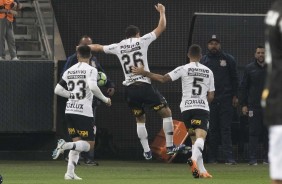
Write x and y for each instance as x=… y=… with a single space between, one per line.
x=83 y=133
x=198 y=70
x=137 y=112
x=74 y=106
x=222 y=62
x=198 y=74
x=76 y=77
x=136 y=79
x=194 y=102
x=158 y=107
x=77 y=72
x=196 y=122
x=71 y=131
x=131 y=50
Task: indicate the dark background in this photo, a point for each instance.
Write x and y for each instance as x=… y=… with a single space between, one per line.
x=105 y=21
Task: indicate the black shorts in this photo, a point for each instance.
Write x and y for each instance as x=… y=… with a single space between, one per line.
x=139 y=95
x=81 y=126
x=196 y=118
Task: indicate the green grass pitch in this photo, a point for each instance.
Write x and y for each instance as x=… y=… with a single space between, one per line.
x=129 y=172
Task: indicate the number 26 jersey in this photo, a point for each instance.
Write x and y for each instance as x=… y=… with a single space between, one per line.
x=132 y=52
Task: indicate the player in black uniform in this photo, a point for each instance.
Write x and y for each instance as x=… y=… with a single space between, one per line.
x=272 y=94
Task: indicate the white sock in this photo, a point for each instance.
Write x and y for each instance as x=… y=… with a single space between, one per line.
x=143 y=136
x=200 y=164
x=73 y=159
x=168 y=131
x=198 y=149
x=78 y=146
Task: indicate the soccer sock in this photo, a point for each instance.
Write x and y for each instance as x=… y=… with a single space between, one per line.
x=198 y=149
x=77 y=146
x=73 y=159
x=200 y=164
x=143 y=136
x=168 y=130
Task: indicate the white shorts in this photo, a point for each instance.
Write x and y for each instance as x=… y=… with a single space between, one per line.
x=275 y=152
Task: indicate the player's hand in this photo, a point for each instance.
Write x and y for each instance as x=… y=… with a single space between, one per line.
x=109 y=102
x=245 y=110
x=110 y=91
x=160 y=8
x=137 y=70
x=235 y=101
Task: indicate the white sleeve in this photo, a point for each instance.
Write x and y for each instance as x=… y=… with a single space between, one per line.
x=111 y=49
x=92 y=83
x=211 y=87
x=148 y=38
x=176 y=73
x=61 y=91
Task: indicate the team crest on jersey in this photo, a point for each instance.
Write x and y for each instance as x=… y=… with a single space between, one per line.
x=222 y=62
x=196 y=122
x=251 y=113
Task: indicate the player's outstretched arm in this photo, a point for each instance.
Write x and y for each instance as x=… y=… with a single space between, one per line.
x=97 y=92
x=162 y=21
x=96 y=47
x=153 y=76
x=61 y=91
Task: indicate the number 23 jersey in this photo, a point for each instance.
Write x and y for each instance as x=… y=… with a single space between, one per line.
x=78 y=78
x=197 y=81
x=132 y=52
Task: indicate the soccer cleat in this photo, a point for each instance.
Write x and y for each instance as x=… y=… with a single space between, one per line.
x=253 y=162
x=176 y=149
x=73 y=176
x=148 y=155
x=194 y=168
x=205 y=175
x=59 y=150
x=90 y=162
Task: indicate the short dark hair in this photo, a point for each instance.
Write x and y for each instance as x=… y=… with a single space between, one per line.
x=84 y=51
x=131 y=31
x=195 y=50
x=259 y=47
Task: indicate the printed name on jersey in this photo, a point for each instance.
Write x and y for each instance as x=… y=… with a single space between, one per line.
x=271 y=18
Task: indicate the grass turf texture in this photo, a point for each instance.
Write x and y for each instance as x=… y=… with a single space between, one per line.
x=129 y=172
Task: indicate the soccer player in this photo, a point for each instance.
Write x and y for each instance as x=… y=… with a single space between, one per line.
x=197 y=92
x=81 y=80
x=72 y=60
x=272 y=95
x=132 y=51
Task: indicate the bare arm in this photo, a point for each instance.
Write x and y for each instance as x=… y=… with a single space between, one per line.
x=96 y=47
x=153 y=76
x=210 y=96
x=162 y=21
x=61 y=91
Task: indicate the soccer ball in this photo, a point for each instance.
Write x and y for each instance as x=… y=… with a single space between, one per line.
x=101 y=79
x=1 y=179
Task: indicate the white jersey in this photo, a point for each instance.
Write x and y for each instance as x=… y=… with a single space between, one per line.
x=197 y=81
x=132 y=52
x=77 y=78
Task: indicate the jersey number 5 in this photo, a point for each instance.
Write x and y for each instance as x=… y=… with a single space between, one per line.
x=197 y=88
x=127 y=61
